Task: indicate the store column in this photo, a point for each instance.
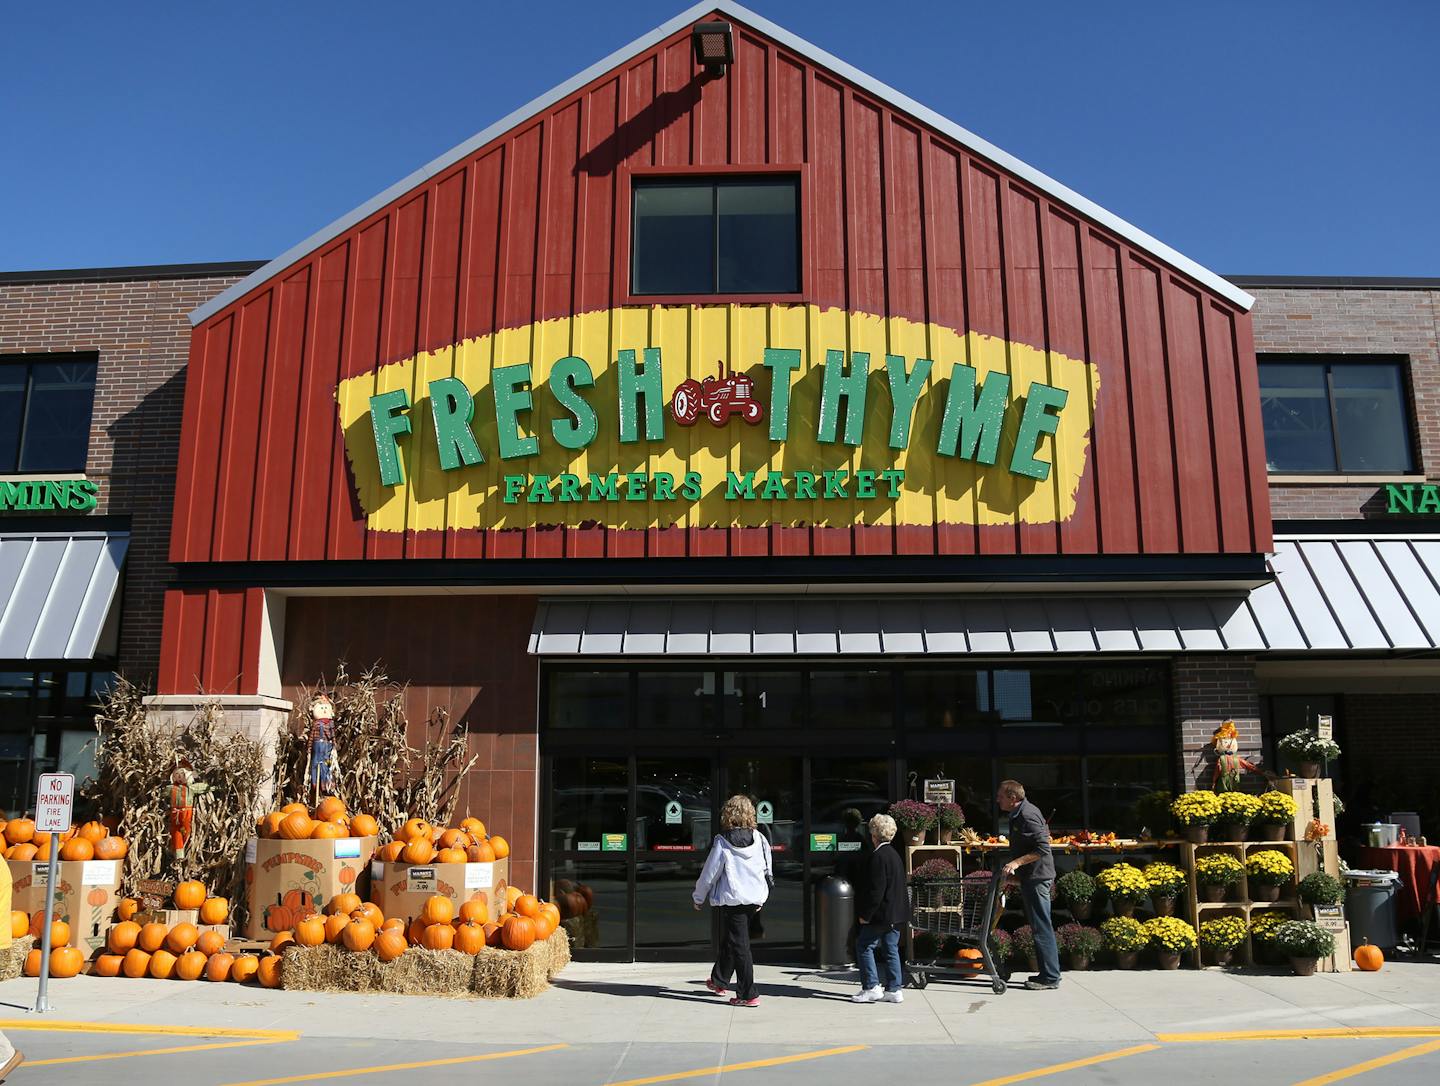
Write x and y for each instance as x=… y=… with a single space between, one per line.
x=1209 y=690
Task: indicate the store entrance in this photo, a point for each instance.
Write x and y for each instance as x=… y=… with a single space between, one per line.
x=634 y=829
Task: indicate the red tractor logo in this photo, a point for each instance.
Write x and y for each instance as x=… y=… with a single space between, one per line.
x=717 y=398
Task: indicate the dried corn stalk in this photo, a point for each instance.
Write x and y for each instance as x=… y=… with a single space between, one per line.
x=133 y=762
x=377 y=771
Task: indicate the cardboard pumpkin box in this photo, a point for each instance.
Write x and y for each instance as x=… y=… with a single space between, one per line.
x=286 y=881
x=86 y=893
x=401 y=889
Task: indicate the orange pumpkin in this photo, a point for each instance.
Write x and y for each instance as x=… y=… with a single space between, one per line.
x=331 y=809
x=66 y=961
x=363 y=825
x=416 y=931
x=59 y=930
x=438 y=909
x=475 y=911
x=42 y=851
x=189 y=895
x=295 y=808
x=310 y=931
x=527 y=905
x=416 y=829
x=136 y=963
x=19 y=830
x=121 y=937
x=492 y=935
x=518 y=933
x=512 y=895
x=368 y=910
x=455 y=839
x=281 y=941
x=182 y=937
x=545 y=925
x=549 y=907
x=1368 y=958
x=127 y=909
x=480 y=853
x=501 y=847
x=296 y=827
x=162 y=965
x=218 y=967
x=967 y=957
x=215 y=910
x=335 y=925
x=450 y=856
x=326 y=831
x=358 y=935
x=269 y=826
x=473 y=826
x=22 y=852
x=152 y=937
x=438 y=937
x=32 y=963
x=391 y=852
x=469 y=938
x=19 y=923
x=419 y=851
x=94 y=832
x=211 y=942
x=111 y=848
x=78 y=848
x=190 y=965
x=389 y=944
x=244 y=968
x=268 y=974
x=107 y=965
x=342 y=903
x=394 y=923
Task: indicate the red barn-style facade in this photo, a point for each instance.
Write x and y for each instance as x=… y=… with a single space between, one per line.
x=746 y=427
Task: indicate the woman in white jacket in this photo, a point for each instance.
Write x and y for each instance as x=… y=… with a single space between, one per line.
x=736 y=880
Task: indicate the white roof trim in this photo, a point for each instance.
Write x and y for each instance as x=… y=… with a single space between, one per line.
x=1043 y=182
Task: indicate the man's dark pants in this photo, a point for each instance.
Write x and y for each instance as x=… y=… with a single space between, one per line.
x=1035 y=893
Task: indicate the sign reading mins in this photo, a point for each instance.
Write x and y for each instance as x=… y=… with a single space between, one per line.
x=600 y=428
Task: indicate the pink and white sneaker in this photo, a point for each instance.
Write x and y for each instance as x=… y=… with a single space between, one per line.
x=715 y=987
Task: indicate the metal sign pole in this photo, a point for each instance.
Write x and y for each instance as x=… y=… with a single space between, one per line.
x=42 y=1002
x=54 y=804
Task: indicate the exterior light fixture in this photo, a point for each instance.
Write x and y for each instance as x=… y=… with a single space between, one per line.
x=714 y=46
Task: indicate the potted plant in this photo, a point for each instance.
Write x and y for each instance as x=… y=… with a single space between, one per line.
x=1076 y=891
x=1022 y=946
x=1195 y=812
x=1166 y=881
x=1216 y=873
x=1171 y=937
x=1319 y=888
x=1304 y=943
x=1237 y=811
x=1268 y=870
x=951 y=817
x=1308 y=750
x=1262 y=934
x=937 y=870
x=1125 y=937
x=1275 y=816
x=914 y=819
x=1220 y=937
x=1125 y=885
x=1079 y=943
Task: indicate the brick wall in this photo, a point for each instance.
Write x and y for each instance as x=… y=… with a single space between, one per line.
x=1352 y=321
x=1209 y=690
x=139 y=329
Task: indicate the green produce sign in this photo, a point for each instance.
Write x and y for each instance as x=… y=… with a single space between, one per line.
x=48 y=495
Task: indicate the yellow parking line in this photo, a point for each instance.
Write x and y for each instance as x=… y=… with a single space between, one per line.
x=45 y=1025
x=149 y=1052
x=397 y=1066
x=1055 y=1069
x=1371 y=1065
x=774 y=1061
x=1303 y=1034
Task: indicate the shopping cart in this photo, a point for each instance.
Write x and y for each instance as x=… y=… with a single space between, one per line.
x=959 y=912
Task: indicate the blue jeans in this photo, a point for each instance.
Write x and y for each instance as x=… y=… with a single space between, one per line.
x=888 y=940
x=1035 y=893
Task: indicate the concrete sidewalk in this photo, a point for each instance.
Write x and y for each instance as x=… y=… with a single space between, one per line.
x=667 y=1003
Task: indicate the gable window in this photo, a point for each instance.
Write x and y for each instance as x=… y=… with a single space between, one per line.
x=45 y=405
x=716 y=236
x=1335 y=416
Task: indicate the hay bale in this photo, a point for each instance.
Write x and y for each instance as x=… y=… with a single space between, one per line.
x=427 y=972
x=328 y=968
x=12 y=958
x=491 y=974
x=559 y=944
x=511 y=974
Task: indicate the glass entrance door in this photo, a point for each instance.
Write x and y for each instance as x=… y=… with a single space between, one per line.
x=776 y=785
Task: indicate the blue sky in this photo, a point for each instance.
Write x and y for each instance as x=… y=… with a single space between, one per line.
x=1285 y=136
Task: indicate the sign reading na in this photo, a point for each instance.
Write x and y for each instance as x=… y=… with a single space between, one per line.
x=1415 y=498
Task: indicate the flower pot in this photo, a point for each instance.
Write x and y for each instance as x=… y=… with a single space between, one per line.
x=1079 y=961
x=1272 y=831
x=914 y=838
x=1168 y=959
x=1212 y=894
x=1081 y=910
x=1197 y=835
x=1304 y=967
x=945 y=836
x=1123 y=908
x=1312 y=771
x=1128 y=960
x=1163 y=906
x=1219 y=957
x=1264 y=893
x=1231 y=831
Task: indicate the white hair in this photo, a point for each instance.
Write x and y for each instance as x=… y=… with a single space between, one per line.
x=883 y=827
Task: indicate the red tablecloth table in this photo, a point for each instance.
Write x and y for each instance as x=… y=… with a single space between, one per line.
x=1416 y=867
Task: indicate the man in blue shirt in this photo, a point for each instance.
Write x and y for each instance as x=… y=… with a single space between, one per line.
x=1032 y=865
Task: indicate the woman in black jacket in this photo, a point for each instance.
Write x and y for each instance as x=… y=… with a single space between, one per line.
x=884 y=909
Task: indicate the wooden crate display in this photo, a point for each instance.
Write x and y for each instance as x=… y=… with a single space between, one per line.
x=1239 y=902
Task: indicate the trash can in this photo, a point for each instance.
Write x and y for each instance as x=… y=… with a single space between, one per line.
x=1370 y=907
x=834 y=916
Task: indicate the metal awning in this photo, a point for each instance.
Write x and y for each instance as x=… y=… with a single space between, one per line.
x=56 y=590
x=1337 y=594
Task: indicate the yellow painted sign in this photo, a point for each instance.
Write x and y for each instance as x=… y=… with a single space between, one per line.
x=716 y=416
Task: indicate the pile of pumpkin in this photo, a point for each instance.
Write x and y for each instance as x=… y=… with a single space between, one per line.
x=329 y=819
x=90 y=841
x=419 y=842
x=182 y=952
x=65 y=960
x=360 y=926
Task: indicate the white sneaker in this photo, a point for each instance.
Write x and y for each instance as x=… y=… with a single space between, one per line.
x=896 y=996
x=867 y=995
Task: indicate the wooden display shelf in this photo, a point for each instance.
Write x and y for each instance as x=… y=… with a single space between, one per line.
x=1242 y=905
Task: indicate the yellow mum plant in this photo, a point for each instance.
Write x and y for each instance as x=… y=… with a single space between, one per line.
x=1165 y=880
x=1199 y=808
x=1170 y=933
x=1269 y=867
x=1239 y=808
x=1223 y=933
x=1265 y=924
x=1218 y=869
x=1276 y=809
x=1123 y=882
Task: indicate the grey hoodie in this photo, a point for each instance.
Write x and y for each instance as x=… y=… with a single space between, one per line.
x=737 y=871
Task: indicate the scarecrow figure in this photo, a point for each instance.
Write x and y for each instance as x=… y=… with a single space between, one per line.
x=183 y=790
x=1229 y=765
x=322 y=744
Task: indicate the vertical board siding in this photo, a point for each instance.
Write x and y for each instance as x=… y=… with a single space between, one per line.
x=899 y=222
